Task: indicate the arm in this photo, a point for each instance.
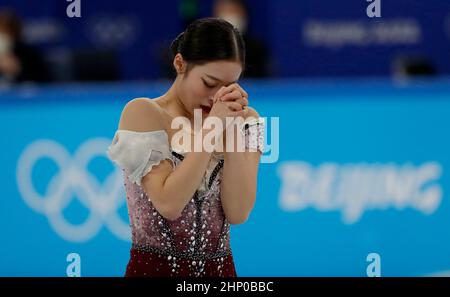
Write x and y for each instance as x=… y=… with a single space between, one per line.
x=239 y=182
x=170 y=190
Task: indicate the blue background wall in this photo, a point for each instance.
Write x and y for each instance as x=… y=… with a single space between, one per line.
x=62 y=195
x=285 y=26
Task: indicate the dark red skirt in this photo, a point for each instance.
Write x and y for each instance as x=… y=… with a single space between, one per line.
x=143 y=264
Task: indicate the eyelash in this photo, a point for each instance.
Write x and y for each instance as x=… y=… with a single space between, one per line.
x=208 y=86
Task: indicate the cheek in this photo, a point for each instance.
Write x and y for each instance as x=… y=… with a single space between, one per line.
x=188 y=92
x=198 y=92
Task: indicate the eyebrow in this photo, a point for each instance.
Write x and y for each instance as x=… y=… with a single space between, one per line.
x=215 y=78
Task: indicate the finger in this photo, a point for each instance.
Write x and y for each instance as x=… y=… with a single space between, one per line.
x=231 y=96
x=245 y=109
x=218 y=94
x=239 y=113
x=236 y=86
x=223 y=90
x=215 y=97
x=243 y=92
x=243 y=101
x=233 y=106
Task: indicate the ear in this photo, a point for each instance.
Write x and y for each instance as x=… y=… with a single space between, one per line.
x=179 y=64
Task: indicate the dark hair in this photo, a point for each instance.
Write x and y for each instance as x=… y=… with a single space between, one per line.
x=209 y=39
x=10 y=22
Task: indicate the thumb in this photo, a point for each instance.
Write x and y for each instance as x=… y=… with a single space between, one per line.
x=240 y=113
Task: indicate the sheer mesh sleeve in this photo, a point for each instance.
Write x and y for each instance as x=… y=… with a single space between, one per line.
x=253 y=131
x=138 y=152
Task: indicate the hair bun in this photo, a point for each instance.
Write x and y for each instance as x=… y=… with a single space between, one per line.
x=177 y=43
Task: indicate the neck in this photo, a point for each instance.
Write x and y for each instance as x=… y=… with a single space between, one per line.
x=173 y=102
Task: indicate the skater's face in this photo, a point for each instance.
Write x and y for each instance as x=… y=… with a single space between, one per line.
x=198 y=86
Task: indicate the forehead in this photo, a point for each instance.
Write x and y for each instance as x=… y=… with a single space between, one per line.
x=229 y=6
x=226 y=71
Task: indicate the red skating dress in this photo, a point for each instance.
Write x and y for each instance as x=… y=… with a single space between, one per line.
x=195 y=244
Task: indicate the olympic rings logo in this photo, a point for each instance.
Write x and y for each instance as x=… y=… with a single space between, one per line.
x=74 y=181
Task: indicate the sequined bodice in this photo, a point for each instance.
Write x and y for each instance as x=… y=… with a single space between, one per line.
x=200 y=233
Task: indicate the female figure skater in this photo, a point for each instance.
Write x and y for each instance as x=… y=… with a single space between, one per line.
x=181 y=202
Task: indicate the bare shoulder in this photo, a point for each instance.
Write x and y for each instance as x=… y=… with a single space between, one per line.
x=141 y=115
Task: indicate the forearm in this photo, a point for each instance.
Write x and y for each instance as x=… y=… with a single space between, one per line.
x=238 y=187
x=171 y=189
x=179 y=187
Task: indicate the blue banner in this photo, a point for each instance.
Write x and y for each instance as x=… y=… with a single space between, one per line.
x=304 y=38
x=358 y=177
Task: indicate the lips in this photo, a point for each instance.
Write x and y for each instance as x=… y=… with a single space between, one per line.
x=206 y=109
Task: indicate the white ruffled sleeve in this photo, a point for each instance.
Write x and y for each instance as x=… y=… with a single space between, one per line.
x=138 y=152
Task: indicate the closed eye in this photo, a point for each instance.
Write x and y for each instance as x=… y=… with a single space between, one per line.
x=208 y=86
